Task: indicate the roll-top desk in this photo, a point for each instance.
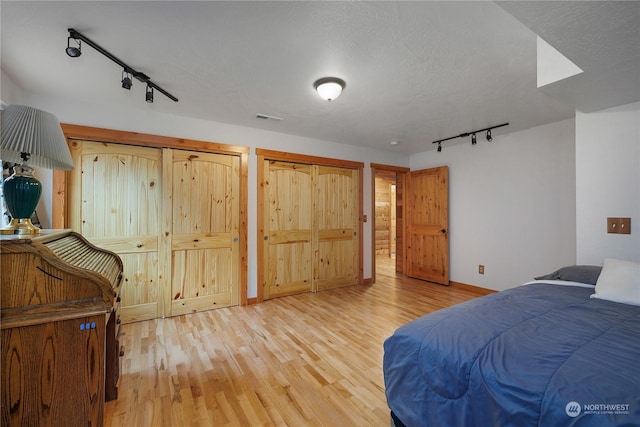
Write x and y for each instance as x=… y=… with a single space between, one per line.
x=59 y=320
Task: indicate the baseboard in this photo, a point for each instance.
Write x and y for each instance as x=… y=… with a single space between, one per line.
x=251 y=301
x=368 y=281
x=472 y=288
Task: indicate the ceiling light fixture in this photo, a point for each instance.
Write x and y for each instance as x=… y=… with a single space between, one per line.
x=149 y=95
x=472 y=134
x=329 y=88
x=126 y=80
x=75 y=52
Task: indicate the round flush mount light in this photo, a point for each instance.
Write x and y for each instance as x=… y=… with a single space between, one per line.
x=329 y=88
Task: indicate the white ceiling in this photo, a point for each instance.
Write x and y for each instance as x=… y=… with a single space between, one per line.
x=415 y=71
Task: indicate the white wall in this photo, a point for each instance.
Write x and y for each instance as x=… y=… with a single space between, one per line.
x=10 y=92
x=607 y=182
x=511 y=204
x=146 y=120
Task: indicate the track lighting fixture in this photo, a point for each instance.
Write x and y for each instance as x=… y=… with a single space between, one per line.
x=149 y=96
x=473 y=133
x=126 y=80
x=74 y=52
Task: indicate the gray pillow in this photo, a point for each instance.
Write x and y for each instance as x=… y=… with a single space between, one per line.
x=575 y=273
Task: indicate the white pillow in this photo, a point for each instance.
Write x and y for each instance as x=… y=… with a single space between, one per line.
x=619 y=282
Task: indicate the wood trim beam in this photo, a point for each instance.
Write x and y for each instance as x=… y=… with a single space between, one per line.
x=260 y=236
x=472 y=288
x=303 y=158
x=390 y=168
x=148 y=140
x=244 y=226
x=58 y=203
x=360 y=226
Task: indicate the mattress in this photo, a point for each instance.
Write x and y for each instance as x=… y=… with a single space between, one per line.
x=536 y=355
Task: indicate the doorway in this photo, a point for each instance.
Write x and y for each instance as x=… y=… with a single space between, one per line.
x=387 y=211
x=386 y=221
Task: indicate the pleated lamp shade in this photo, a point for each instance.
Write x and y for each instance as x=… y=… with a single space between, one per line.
x=36 y=132
x=30 y=137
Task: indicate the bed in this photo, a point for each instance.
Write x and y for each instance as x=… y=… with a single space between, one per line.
x=553 y=352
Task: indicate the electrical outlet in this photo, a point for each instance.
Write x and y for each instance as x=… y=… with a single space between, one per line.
x=481 y=269
x=619 y=225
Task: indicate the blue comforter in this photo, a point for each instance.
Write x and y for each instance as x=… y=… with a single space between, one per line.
x=537 y=355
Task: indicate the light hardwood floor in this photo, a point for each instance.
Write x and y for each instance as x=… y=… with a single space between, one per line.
x=304 y=360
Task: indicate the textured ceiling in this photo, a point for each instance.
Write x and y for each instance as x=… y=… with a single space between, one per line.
x=602 y=38
x=415 y=71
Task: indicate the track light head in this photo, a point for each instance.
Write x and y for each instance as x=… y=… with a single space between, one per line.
x=489 y=137
x=149 y=95
x=74 y=51
x=473 y=139
x=439 y=147
x=126 y=80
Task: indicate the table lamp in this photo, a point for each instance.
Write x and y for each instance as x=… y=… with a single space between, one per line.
x=30 y=137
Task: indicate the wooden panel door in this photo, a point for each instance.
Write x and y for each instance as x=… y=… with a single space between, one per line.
x=287 y=251
x=115 y=198
x=427 y=225
x=335 y=213
x=200 y=250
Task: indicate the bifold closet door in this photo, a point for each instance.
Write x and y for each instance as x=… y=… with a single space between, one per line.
x=336 y=227
x=200 y=249
x=310 y=238
x=115 y=201
x=288 y=225
x=173 y=216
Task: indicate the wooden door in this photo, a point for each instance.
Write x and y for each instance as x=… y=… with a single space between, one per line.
x=172 y=216
x=115 y=199
x=335 y=212
x=287 y=250
x=427 y=225
x=200 y=250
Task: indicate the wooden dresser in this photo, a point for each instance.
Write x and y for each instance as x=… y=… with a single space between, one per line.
x=59 y=320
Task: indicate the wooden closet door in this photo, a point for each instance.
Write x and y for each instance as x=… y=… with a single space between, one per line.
x=115 y=198
x=335 y=213
x=200 y=249
x=287 y=233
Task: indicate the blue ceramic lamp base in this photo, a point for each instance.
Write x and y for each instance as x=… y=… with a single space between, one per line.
x=21 y=194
